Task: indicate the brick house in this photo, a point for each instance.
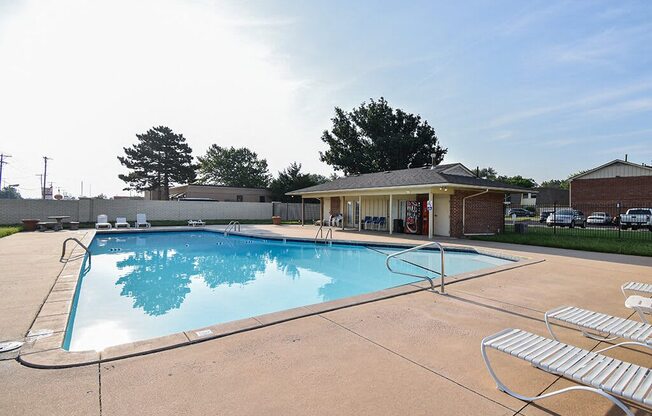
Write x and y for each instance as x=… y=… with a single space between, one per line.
x=443 y=200
x=617 y=185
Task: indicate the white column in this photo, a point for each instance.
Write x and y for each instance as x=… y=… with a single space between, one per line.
x=303 y=212
x=360 y=213
x=391 y=215
x=431 y=217
x=321 y=211
x=342 y=211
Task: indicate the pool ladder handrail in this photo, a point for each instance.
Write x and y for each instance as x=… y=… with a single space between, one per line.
x=320 y=234
x=233 y=225
x=65 y=242
x=419 y=247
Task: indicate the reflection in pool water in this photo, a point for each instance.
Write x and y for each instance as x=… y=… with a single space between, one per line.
x=147 y=285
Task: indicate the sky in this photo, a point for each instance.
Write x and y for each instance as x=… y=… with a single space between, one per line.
x=539 y=89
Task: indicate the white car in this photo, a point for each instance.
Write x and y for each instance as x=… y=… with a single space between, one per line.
x=566 y=217
x=599 y=218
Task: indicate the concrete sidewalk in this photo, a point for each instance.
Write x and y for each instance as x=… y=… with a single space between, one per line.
x=412 y=354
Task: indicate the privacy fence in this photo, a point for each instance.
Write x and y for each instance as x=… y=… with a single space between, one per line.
x=587 y=220
x=87 y=210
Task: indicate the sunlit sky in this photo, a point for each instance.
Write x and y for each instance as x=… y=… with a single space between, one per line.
x=541 y=89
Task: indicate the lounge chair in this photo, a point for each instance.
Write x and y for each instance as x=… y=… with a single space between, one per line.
x=642 y=306
x=598 y=373
x=103 y=222
x=613 y=327
x=196 y=223
x=121 y=222
x=636 y=287
x=141 y=220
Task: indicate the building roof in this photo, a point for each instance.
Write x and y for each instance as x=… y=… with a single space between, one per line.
x=643 y=168
x=438 y=175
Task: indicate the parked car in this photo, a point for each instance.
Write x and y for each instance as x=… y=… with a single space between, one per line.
x=519 y=212
x=566 y=217
x=599 y=218
x=544 y=213
x=636 y=218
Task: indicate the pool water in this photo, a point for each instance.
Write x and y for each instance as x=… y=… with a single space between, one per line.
x=145 y=285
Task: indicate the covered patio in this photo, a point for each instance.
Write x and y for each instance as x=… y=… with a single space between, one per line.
x=445 y=200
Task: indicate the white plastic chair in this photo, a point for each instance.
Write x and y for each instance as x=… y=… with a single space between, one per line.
x=141 y=221
x=103 y=222
x=122 y=222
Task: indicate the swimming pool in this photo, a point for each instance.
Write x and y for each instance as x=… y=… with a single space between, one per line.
x=146 y=285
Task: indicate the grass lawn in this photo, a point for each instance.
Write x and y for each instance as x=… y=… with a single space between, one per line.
x=5 y=231
x=602 y=243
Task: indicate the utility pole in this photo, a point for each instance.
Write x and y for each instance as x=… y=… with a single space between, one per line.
x=2 y=163
x=45 y=174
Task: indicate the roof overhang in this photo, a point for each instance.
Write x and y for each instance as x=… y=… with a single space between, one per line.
x=613 y=162
x=401 y=189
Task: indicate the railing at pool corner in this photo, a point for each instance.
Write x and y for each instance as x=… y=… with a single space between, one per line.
x=63 y=249
x=233 y=226
x=431 y=243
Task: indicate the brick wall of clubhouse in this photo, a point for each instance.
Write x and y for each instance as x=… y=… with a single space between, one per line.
x=484 y=213
x=631 y=192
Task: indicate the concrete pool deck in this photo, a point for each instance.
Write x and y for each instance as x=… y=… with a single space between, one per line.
x=413 y=354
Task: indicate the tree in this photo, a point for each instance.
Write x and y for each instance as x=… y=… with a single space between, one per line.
x=555 y=183
x=10 y=192
x=233 y=167
x=375 y=137
x=517 y=180
x=100 y=196
x=159 y=159
x=487 y=173
x=292 y=179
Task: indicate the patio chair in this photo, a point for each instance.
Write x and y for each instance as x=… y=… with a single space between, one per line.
x=121 y=222
x=606 y=376
x=141 y=220
x=103 y=222
x=613 y=327
x=641 y=304
x=381 y=223
x=374 y=222
x=636 y=287
x=367 y=220
x=196 y=223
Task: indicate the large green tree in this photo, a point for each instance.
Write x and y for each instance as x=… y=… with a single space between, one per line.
x=233 y=167
x=159 y=159
x=10 y=192
x=376 y=137
x=291 y=179
x=517 y=180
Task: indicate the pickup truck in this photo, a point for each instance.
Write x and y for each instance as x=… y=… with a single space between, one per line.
x=636 y=218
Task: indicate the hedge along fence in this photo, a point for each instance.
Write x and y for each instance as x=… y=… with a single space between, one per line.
x=86 y=210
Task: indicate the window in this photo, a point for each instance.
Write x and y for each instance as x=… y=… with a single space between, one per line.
x=261 y=198
x=238 y=198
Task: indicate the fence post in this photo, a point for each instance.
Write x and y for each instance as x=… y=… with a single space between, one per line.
x=619 y=227
x=554 y=218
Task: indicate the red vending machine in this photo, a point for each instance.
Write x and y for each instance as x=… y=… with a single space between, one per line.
x=413 y=217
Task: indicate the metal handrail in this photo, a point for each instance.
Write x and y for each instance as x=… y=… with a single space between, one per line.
x=431 y=243
x=320 y=234
x=233 y=225
x=65 y=242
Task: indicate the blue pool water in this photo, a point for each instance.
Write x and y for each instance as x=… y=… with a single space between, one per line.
x=147 y=285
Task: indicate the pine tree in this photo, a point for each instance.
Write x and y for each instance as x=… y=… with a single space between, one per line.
x=159 y=159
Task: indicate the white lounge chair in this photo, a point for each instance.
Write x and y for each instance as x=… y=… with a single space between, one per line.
x=141 y=221
x=121 y=222
x=613 y=327
x=103 y=222
x=606 y=376
x=636 y=287
x=196 y=223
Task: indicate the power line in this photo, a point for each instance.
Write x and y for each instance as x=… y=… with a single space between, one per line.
x=2 y=163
